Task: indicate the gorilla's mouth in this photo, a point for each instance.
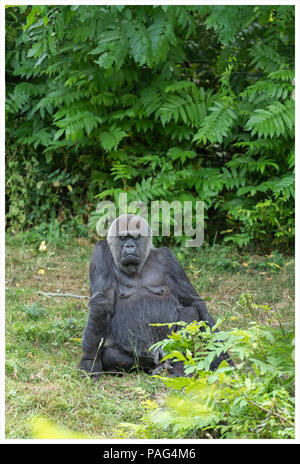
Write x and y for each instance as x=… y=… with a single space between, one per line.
x=130 y=260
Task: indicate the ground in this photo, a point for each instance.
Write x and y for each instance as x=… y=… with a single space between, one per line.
x=43 y=333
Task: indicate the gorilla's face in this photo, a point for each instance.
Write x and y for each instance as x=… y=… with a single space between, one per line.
x=130 y=240
x=130 y=253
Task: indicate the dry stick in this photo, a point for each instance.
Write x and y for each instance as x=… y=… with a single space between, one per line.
x=269 y=411
x=68 y=295
x=278 y=318
x=11 y=279
x=109 y=372
x=265 y=409
x=96 y=355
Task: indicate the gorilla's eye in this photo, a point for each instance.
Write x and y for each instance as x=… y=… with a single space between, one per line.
x=136 y=237
x=131 y=236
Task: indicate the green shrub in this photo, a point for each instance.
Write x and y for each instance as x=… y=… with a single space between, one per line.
x=161 y=102
x=255 y=399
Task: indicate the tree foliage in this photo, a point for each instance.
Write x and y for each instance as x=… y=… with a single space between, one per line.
x=165 y=102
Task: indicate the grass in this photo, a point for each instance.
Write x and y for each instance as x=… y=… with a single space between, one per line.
x=43 y=334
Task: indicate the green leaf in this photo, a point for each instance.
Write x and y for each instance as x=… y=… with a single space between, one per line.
x=105 y=60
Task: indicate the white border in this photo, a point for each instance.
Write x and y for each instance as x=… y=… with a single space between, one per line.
x=2 y=216
x=2 y=239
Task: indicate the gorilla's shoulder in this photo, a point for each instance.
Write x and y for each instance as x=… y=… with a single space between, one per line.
x=163 y=254
x=163 y=251
x=101 y=251
x=101 y=246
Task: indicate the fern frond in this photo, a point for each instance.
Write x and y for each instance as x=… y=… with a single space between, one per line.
x=250 y=164
x=110 y=138
x=152 y=98
x=180 y=86
x=183 y=18
x=277 y=185
x=284 y=184
x=14 y=103
x=182 y=107
x=103 y=98
x=42 y=137
x=123 y=171
x=161 y=37
x=262 y=145
x=269 y=89
x=74 y=126
x=217 y=124
x=283 y=75
x=140 y=45
x=61 y=96
x=172 y=108
x=277 y=119
x=30 y=89
x=178 y=132
x=119 y=115
x=178 y=153
x=105 y=40
x=266 y=58
x=129 y=99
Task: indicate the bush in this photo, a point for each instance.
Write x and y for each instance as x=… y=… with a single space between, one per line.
x=253 y=400
x=162 y=102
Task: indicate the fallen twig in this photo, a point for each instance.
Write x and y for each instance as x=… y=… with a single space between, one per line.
x=11 y=278
x=67 y=295
x=269 y=411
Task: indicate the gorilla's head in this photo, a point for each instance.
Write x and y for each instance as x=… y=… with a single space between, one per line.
x=130 y=240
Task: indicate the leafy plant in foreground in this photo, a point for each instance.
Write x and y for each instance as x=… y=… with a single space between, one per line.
x=253 y=400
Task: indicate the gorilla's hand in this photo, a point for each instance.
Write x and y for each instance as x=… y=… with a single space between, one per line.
x=92 y=367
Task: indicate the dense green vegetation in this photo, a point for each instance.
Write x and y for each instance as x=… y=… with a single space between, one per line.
x=254 y=399
x=163 y=102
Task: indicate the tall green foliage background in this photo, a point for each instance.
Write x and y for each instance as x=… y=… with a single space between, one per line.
x=163 y=102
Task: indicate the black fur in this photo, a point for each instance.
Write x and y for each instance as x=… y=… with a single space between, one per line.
x=122 y=305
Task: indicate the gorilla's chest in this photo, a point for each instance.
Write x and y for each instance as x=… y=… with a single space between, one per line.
x=140 y=302
x=147 y=282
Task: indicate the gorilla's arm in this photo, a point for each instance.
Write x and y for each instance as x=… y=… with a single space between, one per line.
x=194 y=307
x=101 y=307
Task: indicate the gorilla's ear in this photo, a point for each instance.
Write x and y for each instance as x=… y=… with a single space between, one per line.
x=101 y=274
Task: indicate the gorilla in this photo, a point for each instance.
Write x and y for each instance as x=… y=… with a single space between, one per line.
x=133 y=285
